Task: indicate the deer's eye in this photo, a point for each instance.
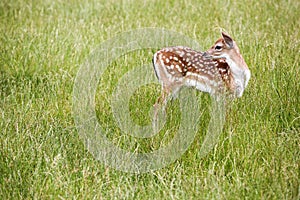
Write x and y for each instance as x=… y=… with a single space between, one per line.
x=218 y=47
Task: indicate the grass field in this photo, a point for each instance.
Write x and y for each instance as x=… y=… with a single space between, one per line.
x=44 y=43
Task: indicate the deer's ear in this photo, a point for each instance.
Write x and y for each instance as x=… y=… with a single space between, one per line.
x=228 y=40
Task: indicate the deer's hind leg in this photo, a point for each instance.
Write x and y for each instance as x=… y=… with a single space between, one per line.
x=161 y=101
x=167 y=92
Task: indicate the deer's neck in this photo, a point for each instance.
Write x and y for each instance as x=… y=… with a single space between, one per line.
x=240 y=73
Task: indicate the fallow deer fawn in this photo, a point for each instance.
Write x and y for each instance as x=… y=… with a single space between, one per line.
x=221 y=70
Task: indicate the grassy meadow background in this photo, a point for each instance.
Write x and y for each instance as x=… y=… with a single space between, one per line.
x=43 y=44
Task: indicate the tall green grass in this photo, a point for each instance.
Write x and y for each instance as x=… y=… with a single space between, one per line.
x=43 y=44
